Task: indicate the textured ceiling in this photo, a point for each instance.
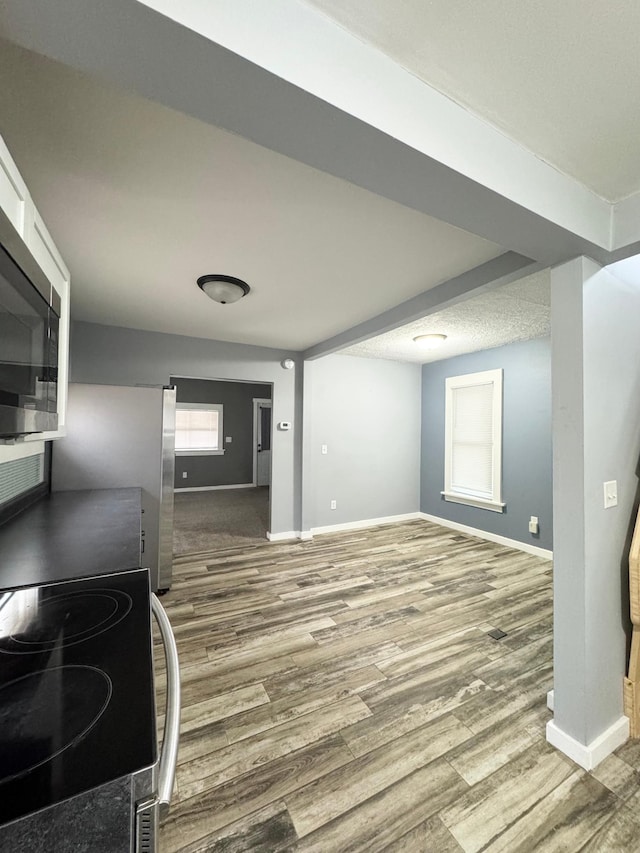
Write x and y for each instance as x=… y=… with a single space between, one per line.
x=558 y=77
x=516 y=312
x=142 y=199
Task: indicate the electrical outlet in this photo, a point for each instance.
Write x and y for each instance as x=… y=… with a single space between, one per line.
x=334 y=504
x=227 y=439
x=184 y=475
x=534 y=527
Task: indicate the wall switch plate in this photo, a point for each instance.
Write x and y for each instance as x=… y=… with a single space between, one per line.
x=334 y=504
x=184 y=475
x=227 y=439
x=534 y=526
x=610 y=494
x=324 y=449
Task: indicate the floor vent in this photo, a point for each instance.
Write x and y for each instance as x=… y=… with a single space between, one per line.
x=496 y=634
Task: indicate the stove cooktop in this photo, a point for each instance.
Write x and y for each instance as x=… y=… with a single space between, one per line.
x=76 y=688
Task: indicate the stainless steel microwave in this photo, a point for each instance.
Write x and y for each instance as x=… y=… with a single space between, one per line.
x=29 y=330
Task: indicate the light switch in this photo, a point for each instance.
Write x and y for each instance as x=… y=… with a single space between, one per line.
x=324 y=450
x=610 y=494
x=227 y=439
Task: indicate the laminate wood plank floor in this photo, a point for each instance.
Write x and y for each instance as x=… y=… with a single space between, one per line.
x=344 y=694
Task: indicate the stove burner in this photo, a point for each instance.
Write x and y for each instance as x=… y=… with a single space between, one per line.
x=32 y=626
x=46 y=712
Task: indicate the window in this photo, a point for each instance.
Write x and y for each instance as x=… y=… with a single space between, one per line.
x=199 y=429
x=473 y=440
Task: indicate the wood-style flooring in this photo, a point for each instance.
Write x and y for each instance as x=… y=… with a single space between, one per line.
x=343 y=694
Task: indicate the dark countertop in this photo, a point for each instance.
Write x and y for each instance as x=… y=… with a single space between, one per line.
x=98 y=821
x=71 y=534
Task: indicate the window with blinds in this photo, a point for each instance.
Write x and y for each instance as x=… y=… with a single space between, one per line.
x=19 y=476
x=198 y=429
x=473 y=440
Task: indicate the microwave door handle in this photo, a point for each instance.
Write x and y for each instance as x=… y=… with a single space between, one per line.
x=171 y=734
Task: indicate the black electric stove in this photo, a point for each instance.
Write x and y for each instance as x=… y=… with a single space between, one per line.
x=76 y=688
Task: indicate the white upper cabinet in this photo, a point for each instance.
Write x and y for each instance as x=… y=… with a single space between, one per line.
x=44 y=251
x=31 y=242
x=14 y=195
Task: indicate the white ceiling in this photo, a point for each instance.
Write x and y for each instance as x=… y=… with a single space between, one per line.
x=142 y=199
x=560 y=78
x=516 y=312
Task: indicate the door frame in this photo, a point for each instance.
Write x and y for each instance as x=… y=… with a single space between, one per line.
x=257 y=402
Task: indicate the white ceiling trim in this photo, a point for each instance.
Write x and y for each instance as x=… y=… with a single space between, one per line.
x=625 y=232
x=355 y=77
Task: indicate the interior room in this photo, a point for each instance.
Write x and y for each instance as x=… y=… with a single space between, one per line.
x=319 y=426
x=222 y=488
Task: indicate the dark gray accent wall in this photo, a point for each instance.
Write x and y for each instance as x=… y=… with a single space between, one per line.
x=526 y=440
x=235 y=466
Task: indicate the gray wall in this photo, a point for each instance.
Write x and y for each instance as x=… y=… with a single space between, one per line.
x=111 y=355
x=367 y=412
x=526 y=440
x=596 y=422
x=235 y=466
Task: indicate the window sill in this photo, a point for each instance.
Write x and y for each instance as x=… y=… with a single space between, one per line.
x=479 y=503
x=196 y=452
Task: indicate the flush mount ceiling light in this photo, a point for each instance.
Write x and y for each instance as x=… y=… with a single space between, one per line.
x=430 y=341
x=223 y=288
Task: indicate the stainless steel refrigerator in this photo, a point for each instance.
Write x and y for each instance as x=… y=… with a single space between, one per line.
x=118 y=437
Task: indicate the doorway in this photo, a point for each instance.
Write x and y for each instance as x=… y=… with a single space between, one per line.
x=261 y=442
x=222 y=482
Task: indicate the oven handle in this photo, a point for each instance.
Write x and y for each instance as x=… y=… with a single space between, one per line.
x=171 y=734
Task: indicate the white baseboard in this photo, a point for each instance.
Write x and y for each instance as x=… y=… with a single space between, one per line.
x=215 y=488
x=550 y=700
x=305 y=535
x=492 y=537
x=283 y=537
x=409 y=516
x=367 y=522
x=589 y=755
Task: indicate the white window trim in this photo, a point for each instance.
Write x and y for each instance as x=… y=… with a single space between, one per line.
x=495 y=503
x=203 y=451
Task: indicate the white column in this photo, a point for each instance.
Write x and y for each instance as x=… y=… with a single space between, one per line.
x=596 y=438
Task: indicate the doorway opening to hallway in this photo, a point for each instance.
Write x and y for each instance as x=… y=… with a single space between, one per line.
x=223 y=464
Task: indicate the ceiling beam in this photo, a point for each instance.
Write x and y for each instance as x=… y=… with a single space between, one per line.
x=398 y=152
x=495 y=273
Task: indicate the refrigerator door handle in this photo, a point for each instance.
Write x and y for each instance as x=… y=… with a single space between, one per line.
x=171 y=734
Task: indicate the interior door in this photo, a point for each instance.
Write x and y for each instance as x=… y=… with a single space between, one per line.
x=262 y=442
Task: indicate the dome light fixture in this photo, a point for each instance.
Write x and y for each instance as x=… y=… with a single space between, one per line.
x=430 y=341
x=223 y=288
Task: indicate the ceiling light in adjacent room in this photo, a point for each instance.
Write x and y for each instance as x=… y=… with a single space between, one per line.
x=430 y=341
x=223 y=288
